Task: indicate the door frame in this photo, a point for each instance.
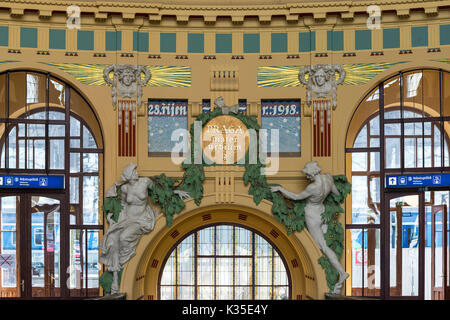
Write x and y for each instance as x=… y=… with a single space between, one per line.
x=23 y=239
x=445 y=288
x=387 y=246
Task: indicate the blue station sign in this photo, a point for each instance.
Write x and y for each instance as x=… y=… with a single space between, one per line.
x=34 y=182
x=417 y=180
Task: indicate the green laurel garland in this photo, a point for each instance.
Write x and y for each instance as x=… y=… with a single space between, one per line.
x=288 y=212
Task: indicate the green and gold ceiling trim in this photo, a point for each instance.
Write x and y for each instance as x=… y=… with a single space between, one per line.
x=287 y=76
x=162 y=76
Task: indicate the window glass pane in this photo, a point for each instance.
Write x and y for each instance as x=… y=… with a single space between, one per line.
x=364 y=209
x=243 y=267
x=8 y=218
x=404 y=241
x=56 y=154
x=243 y=242
x=224 y=271
x=165 y=116
x=263 y=260
x=205 y=293
x=392 y=129
x=243 y=293
x=169 y=276
x=12 y=148
x=367 y=109
x=361 y=139
x=185 y=259
x=224 y=240
x=21 y=154
x=36 y=88
x=56 y=130
x=57 y=91
x=36 y=130
x=74 y=190
x=224 y=293
x=75 y=143
x=205 y=274
x=392 y=96
x=392 y=151
x=374 y=161
x=374 y=142
x=74 y=127
x=93 y=265
x=90 y=162
x=74 y=162
x=220 y=276
x=280 y=275
x=431 y=96
x=263 y=293
x=375 y=126
x=206 y=242
x=358 y=260
x=76 y=275
x=88 y=139
x=359 y=161
x=90 y=200
x=437 y=146
x=413 y=94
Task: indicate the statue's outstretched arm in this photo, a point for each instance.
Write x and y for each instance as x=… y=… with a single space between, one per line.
x=291 y=195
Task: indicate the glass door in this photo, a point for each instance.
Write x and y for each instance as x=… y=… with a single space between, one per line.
x=9 y=250
x=405 y=245
x=439 y=242
x=43 y=246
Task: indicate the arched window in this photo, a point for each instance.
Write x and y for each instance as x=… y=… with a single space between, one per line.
x=401 y=127
x=224 y=262
x=48 y=129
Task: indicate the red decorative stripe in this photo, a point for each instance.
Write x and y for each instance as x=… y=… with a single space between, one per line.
x=329 y=136
x=122 y=150
x=134 y=131
x=119 y=133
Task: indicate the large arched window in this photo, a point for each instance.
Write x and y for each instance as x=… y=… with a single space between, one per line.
x=401 y=127
x=47 y=128
x=224 y=262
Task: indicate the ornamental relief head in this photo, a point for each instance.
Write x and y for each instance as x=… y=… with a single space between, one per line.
x=126 y=81
x=321 y=82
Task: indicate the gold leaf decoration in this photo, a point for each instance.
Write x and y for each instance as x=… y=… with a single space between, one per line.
x=162 y=76
x=287 y=76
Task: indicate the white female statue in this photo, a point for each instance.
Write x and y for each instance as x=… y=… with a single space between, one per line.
x=315 y=194
x=136 y=218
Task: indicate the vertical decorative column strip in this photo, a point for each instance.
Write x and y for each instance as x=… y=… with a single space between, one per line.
x=127 y=83
x=322 y=128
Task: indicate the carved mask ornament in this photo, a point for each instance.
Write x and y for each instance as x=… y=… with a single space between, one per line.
x=322 y=81
x=126 y=81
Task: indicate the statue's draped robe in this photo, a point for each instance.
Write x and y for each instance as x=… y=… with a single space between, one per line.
x=114 y=238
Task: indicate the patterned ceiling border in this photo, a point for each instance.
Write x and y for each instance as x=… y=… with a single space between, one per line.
x=287 y=76
x=162 y=76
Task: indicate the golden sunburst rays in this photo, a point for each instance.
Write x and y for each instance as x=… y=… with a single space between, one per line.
x=287 y=76
x=361 y=73
x=162 y=76
x=170 y=76
x=278 y=76
x=89 y=74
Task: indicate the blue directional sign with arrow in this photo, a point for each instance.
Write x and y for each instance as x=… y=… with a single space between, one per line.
x=35 y=182
x=417 y=180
